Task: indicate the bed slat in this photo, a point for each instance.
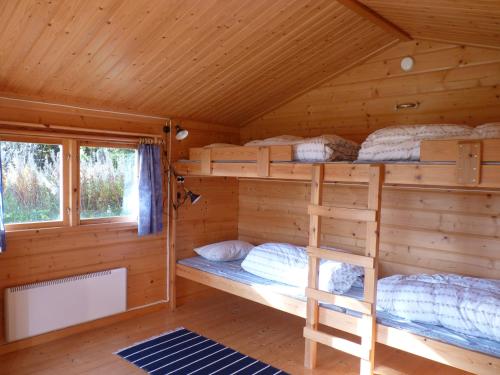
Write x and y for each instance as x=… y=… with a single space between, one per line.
x=339 y=300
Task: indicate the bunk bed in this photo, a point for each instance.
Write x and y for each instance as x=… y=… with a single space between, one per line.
x=446 y=163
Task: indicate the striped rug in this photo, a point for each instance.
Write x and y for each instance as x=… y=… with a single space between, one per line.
x=184 y=352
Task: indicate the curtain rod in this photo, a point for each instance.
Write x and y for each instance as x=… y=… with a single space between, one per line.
x=106 y=134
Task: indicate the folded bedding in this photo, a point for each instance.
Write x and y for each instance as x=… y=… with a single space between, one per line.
x=402 y=142
x=463 y=304
x=486 y=131
x=288 y=264
x=328 y=147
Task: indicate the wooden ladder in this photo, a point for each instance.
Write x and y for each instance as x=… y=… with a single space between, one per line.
x=369 y=261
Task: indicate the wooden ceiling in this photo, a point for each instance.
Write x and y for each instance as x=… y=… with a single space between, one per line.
x=214 y=60
x=475 y=22
x=222 y=61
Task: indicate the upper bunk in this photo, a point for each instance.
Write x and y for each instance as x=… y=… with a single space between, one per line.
x=470 y=163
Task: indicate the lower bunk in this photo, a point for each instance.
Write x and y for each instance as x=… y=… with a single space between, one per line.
x=476 y=355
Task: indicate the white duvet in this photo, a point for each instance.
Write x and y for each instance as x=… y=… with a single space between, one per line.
x=463 y=304
x=402 y=142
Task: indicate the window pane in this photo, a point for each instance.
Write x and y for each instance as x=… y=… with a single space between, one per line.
x=108 y=182
x=32 y=181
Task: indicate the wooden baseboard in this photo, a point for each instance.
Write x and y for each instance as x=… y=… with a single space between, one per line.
x=55 y=335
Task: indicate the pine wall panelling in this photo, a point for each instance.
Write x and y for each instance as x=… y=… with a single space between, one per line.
x=35 y=256
x=215 y=217
x=423 y=230
x=453 y=84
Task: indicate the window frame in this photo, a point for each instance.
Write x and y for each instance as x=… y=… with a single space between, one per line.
x=63 y=189
x=70 y=185
x=110 y=219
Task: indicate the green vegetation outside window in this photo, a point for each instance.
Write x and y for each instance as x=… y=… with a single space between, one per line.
x=108 y=182
x=32 y=182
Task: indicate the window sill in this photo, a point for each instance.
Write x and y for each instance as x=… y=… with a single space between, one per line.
x=87 y=227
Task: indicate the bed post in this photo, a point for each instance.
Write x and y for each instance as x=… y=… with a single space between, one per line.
x=172 y=295
x=368 y=340
x=314 y=239
x=371 y=216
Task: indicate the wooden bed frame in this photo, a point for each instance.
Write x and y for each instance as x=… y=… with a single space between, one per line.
x=419 y=345
x=444 y=163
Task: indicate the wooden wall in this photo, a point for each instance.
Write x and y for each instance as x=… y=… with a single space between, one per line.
x=215 y=217
x=423 y=230
x=453 y=84
x=47 y=254
x=34 y=256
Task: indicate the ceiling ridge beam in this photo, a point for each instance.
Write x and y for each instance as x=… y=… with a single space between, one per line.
x=375 y=18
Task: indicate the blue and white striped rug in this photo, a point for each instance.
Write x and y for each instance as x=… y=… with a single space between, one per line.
x=184 y=352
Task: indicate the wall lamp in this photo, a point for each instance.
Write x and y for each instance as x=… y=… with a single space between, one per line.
x=180 y=133
x=185 y=195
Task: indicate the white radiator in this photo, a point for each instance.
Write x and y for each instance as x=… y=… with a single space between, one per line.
x=37 y=308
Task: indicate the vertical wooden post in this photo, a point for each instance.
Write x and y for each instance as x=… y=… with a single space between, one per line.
x=311 y=347
x=263 y=161
x=206 y=161
x=368 y=339
x=172 y=258
x=74 y=182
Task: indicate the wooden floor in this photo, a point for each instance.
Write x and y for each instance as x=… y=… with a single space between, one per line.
x=261 y=332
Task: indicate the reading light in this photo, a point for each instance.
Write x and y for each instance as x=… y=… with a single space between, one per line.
x=180 y=133
x=194 y=197
x=181 y=199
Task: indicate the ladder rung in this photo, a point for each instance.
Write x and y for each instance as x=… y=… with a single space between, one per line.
x=338 y=343
x=343 y=213
x=339 y=256
x=342 y=301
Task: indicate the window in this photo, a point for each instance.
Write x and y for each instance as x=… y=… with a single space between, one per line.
x=32 y=181
x=108 y=182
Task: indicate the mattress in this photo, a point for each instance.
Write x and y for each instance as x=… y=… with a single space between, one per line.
x=233 y=271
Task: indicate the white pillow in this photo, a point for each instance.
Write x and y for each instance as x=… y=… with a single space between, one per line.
x=288 y=264
x=225 y=251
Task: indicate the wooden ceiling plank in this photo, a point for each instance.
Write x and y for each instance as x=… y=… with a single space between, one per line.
x=369 y=14
x=454 y=21
x=335 y=63
x=48 y=53
x=304 y=60
x=157 y=56
x=211 y=54
x=248 y=63
x=298 y=94
x=95 y=49
x=249 y=70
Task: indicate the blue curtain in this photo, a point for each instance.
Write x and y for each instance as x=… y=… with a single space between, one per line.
x=2 y=225
x=150 y=190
